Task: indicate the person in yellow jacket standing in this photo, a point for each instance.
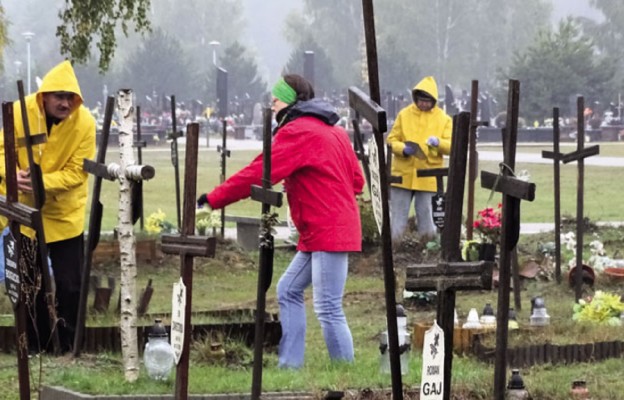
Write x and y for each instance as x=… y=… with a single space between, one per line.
x=420 y=136
x=57 y=110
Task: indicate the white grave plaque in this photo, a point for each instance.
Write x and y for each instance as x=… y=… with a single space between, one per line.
x=178 y=308
x=432 y=378
x=375 y=182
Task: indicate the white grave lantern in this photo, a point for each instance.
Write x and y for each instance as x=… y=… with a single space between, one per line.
x=488 y=319
x=158 y=355
x=472 y=322
x=539 y=316
x=404 y=344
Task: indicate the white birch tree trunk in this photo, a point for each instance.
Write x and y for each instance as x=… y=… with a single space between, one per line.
x=127 y=244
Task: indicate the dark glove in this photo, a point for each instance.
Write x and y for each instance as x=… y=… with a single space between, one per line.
x=410 y=149
x=202 y=201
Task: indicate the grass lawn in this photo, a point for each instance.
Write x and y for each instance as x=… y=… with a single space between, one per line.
x=600 y=183
x=229 y=281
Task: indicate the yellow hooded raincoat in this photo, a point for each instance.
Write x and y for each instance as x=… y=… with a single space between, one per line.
x=417 y=126
x=69 y=142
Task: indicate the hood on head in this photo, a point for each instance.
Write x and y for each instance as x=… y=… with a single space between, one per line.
x=427 y=85
x=61 y=78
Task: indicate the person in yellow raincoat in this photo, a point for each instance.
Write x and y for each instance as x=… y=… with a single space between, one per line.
x=57 y=110
x=420 y=136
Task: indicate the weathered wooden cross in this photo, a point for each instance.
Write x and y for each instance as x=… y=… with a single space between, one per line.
x=222 y=101
x=174 y=156
x=268 y=197
x=139 y=144
x=188 y=246
x=556 y=156
x=17 y=214
x=381 y=207
x=38 y=192
x=99 y=170
x=514 y=190
x=579 y=156
x=473 y=155
x=451 y=274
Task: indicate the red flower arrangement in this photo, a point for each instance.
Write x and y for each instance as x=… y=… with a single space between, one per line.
x=488 y=224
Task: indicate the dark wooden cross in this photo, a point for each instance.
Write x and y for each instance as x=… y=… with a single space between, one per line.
x=95 y=222
x=18 y=214
x=556 y=156
x=378 y=186
x=137 y=201
x=378 y=116
x=473 y=155
x=579 y=156
x=174 y=156
x=188 y=246
x=514 y=190
x=268 y=197
x=451 y=274
x=222 y=101
x=38 y=191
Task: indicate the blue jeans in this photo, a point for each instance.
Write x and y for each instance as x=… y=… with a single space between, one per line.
x=400 y=201
x=327 y=272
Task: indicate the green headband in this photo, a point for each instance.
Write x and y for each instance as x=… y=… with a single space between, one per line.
x=283 y=92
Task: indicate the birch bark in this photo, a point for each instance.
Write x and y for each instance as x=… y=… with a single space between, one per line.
x=127 y=244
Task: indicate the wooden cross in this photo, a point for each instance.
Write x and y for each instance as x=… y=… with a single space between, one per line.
x=95 y=221
x=268 y=198
x=222 y=101
x=376 y=115
x=139 y=144
x=17 y=214
x=188 y=246
x=174 y=156
x=556 y=156
x=452 y=274
x=38 y=191
x=514 y=190
x=473 y=155
x=579 y=156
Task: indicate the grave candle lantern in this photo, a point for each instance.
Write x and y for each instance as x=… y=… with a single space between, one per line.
x=488 y=319
x=515 y=387
x=404 y=344
x=158 y=356
x=539 y=316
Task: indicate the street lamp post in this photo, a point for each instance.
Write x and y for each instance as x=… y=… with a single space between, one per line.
x=28 y=36
x=214 y=45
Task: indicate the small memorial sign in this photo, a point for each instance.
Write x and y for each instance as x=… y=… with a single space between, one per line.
x=438 y=203
x=178 y=308
x=375 y=182
x=12 y=276
x=432 y=378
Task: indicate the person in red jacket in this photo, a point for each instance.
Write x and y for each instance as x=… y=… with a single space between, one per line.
x=321 y=177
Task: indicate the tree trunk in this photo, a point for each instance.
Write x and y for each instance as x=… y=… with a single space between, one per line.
x=129 y=344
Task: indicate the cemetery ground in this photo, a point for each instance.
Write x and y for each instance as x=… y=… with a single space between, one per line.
x=229 y=282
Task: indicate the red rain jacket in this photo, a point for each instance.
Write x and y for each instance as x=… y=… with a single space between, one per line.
x=321 y=176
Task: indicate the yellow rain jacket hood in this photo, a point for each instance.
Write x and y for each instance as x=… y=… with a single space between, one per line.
x=417 y=126
x=68 y=143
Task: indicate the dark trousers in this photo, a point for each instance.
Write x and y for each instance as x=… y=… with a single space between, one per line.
x=66 y=258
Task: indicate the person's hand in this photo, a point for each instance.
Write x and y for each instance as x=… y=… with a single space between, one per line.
x=24 y=183
x=410 y=149
x=433 y=141
x=202 y=201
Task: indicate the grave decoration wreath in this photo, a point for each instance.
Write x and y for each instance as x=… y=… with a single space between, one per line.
x=156 y=223
x=603 y=309
x=488 y=224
